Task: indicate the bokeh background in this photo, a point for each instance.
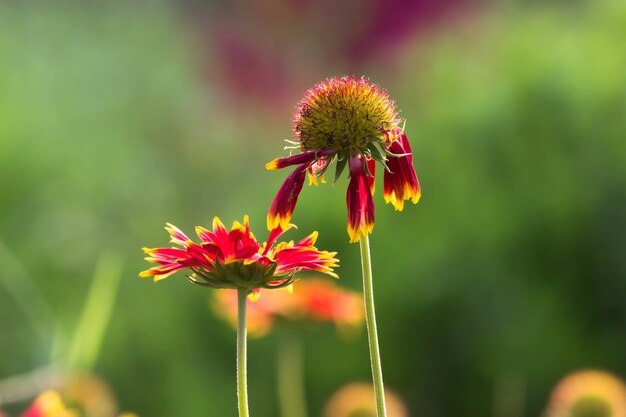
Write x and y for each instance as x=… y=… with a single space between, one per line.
x=116 y=117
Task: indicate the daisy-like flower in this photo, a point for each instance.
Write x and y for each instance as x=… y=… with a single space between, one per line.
x=588 y=393
x=354 y=123
x=234 y=259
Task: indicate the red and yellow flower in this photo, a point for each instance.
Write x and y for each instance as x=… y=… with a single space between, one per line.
x=234 y=259
x=313 y=299
x=354 y=123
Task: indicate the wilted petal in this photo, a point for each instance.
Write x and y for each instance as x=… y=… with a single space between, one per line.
x=359 y=201
x=284 y=203
x=400 y=181
x=301 y=158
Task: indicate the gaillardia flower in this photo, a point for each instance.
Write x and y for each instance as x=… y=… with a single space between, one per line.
x=354 y=123
x=588 y=393
x=234 y=259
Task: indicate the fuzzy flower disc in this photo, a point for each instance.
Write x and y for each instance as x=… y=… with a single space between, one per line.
x=345 y=115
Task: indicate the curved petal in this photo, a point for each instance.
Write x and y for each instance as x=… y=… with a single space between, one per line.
x=359 y=201
x=309 y=240
x=161 y=272
x=400 y=180
x=242 y=240
x=178 y=237
x=305 y=258
x=284 y=203
x=218 y=237
x=275 y=234
x=164 y=254
x=301 y=158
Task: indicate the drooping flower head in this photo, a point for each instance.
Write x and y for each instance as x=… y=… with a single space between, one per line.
x=588 y=393
x=311 y=299
x=354 y=123
x=234 y=259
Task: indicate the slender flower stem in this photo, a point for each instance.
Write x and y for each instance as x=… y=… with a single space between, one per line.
x=290 y=374
x=242 y=384
x=372 y=333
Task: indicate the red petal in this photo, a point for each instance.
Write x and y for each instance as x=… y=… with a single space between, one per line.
x=284 y=203
x=301 y=158
x=307 y=258
x=359 y=201
x=400 y=182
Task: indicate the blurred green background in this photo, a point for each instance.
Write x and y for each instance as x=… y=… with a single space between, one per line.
x=116 y=117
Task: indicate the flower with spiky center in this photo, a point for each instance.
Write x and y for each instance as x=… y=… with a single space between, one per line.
x=588 y=393
x=354 y=123
x=234 y=259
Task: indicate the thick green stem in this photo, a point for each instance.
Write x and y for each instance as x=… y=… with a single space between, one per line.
x=372 y=333
x=242 y=384
x=290 y=374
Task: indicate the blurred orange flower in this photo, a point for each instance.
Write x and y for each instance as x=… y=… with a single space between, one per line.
x=315 y=299
x=357 y=399
x=588 y=393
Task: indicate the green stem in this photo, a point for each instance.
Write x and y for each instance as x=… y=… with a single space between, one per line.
x=372 y=334
x=242 y=384
x=290 y=377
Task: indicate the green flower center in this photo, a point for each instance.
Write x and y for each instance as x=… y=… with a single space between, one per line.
x=345 y=115
x=591 y=406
